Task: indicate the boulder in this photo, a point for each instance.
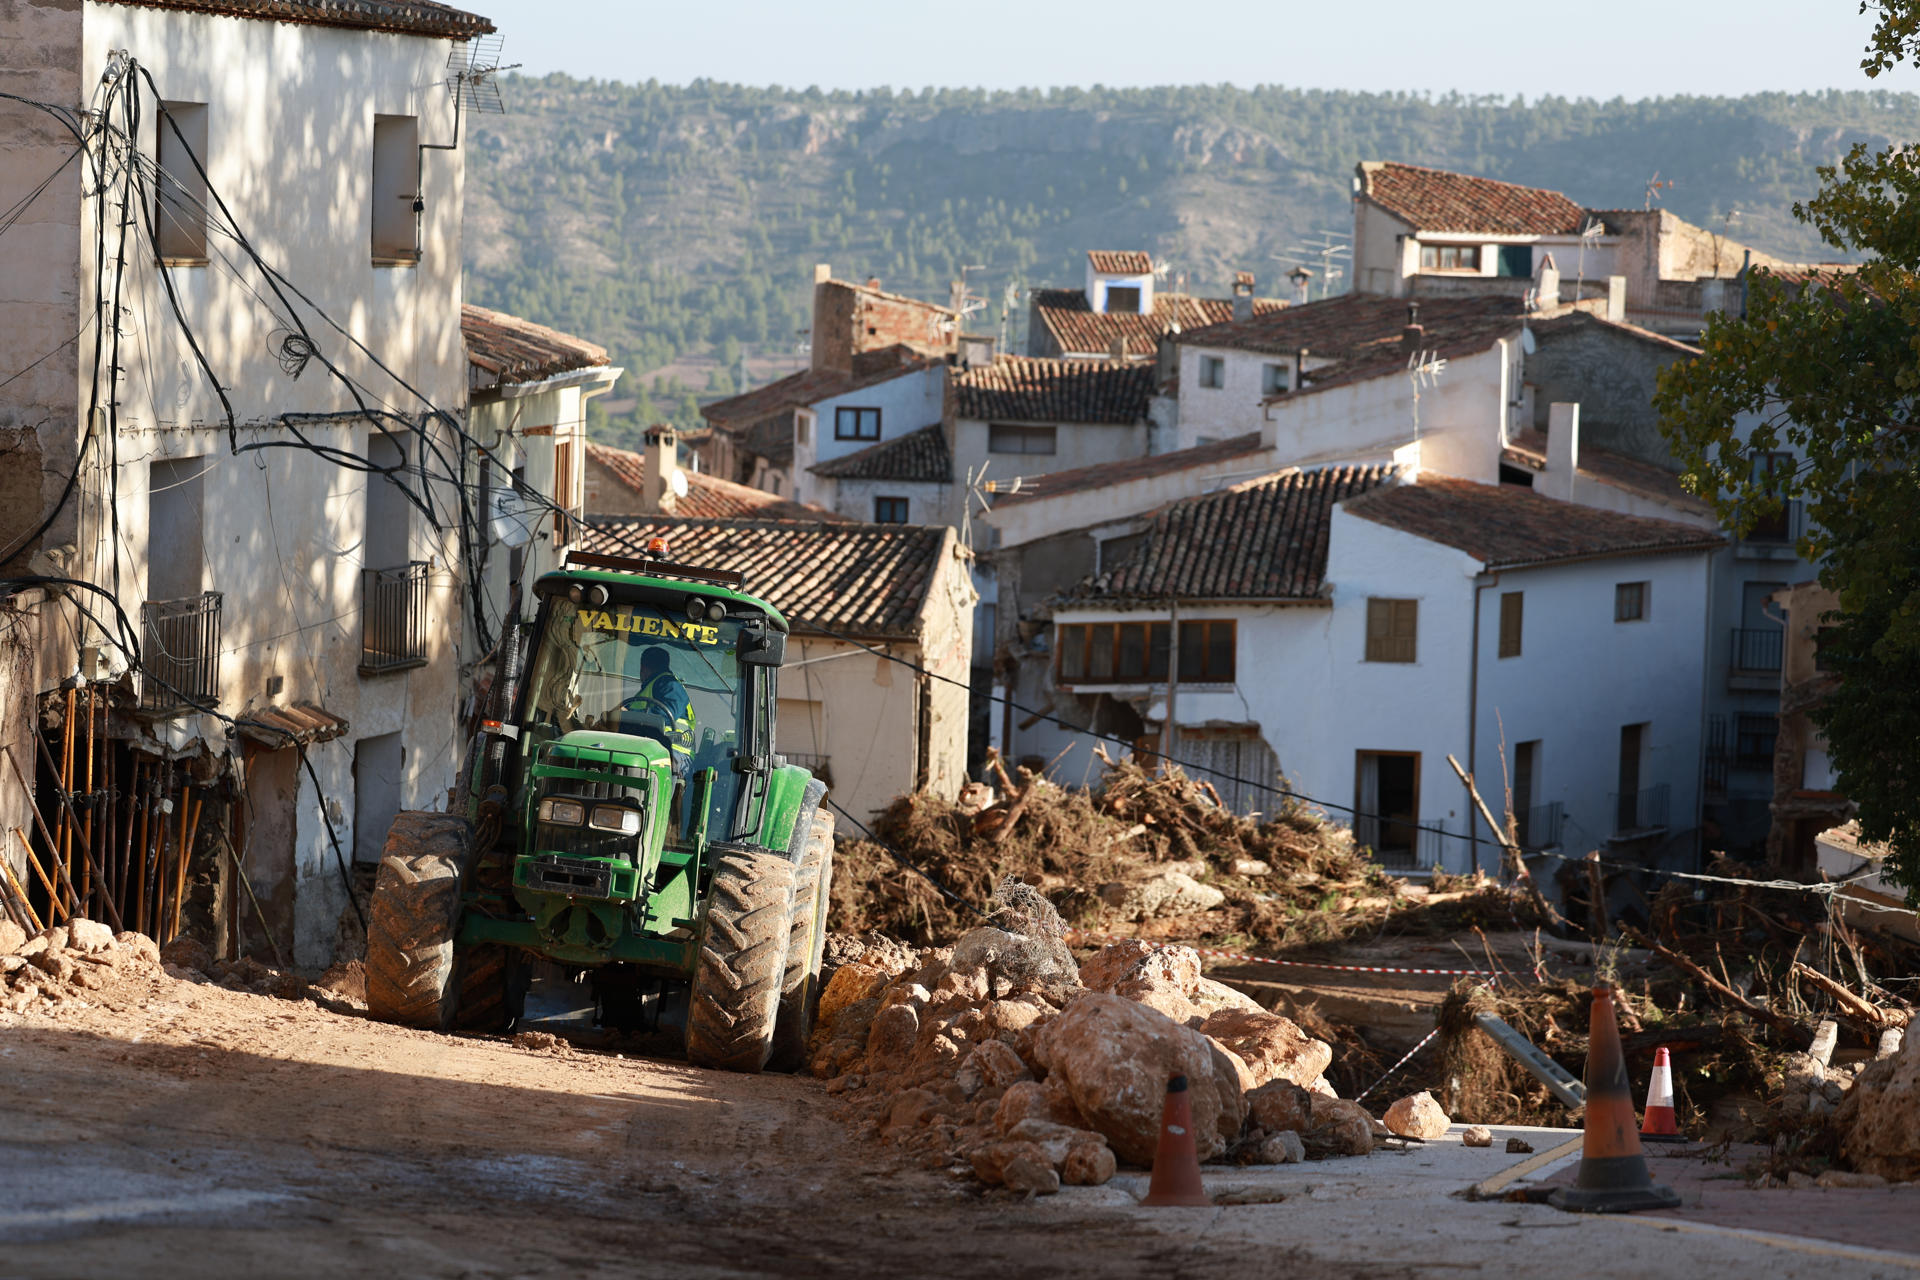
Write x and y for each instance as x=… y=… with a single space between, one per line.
x=55 y=964
x=850 y=984
x=1033 y=1100
x=1251 y=867
x=910 y=1109
x=1135 y=961
x=1163 y=997
x=1272 y=1046
x=186 y=952
x=144 y=951
x=1115 y=1058
x=1339 y=1128
x=841 y=1044
x=1284 y=1147
x=1879 y=1119
x=12 y=937
x=1280 y=1106
x=1417 y=1116
x=1006 y=957
x=1167 y=893
x=1008 y=1017
x=1210 y=997
x=1477 y=1135
x=88 y=937
x=891 y=1037
x=1089 y=1165
x=1029 y=1172
x=54 y=937
x=997 y=1065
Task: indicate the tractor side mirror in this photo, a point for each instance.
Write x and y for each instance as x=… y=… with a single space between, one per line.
x=762 y=646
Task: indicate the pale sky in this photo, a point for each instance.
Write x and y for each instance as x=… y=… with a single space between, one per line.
x=1599 y=48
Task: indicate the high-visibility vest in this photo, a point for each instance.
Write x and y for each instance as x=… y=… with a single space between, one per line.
x=682 y=729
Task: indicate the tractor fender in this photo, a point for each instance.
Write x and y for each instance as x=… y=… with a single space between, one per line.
x=810 y=801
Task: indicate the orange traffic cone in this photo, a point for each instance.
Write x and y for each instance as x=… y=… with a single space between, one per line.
x=1176 y=1164
x=1613 y=1169
x=1659 y=1123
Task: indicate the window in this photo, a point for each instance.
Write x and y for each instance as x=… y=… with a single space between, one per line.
x=1627 y=800
x=396 y=189
x=1512 y=608
x=180 y=203
x=1393 y=627
x=856 y=424
x=1753 y=741
x=1526 y=756
x=1386 y=804
x=1275 y=379
x=1774 y=470
x=1213 y=372
x=1123 y=299
x=1449 y=257
x=1514 y=260
x=1630 y=602
x=802 y=427
x=1139 y=652
x=563 y=491
x=890 y=510
x=1020 y=439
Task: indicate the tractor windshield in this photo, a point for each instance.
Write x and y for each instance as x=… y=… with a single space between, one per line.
x=636 y=669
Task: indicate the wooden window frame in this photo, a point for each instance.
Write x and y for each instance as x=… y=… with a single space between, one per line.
x=1465 y=258
x=1382 y=644
x=884 y=503
x=1638 y=592
x=1008 y=431
x=1513 y=622
x=1135 y=290
x=1099 y=650
x=857 y=416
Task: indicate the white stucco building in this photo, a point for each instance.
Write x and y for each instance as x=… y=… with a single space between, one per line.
x=267 y=383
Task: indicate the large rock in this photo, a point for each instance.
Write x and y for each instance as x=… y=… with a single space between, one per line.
x=1162 y=997
x=892 y=1036
x=1339 y=1128
x=1019 y=1166
x=1115 y=1059
x=88 y=937
x=1879 y=1120
x=1034 y=1100
x=850 y=984
x=1280 y=1106
x=1284 y=1147
x=1272 y=1046
x=1135 y=961
x=1169 y=893
x=1210 y=997
x=12 y=937
x=1417 y=1116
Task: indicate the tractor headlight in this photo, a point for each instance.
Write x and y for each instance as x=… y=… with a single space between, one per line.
x=563 y=813
x=613 y=817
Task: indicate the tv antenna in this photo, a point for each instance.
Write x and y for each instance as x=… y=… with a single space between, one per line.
x=1588 y=234
x=471 y=72
x=1423 y=370
x=962 y=301
x=1333 y=246
x=1654 y=187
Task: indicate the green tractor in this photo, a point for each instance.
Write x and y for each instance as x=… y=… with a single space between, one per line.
x=622 y=814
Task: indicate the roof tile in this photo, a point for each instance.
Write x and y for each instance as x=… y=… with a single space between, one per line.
x=919 y=457
x=502 y=348
x=1121 y=262
x=1031 y=389
x=410 y=17
x=1078 y=330
x=1438 y=200
x=708 y=495
x=1104 y=474
x=1363 y=329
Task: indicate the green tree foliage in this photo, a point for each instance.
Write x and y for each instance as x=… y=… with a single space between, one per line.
x=663 y=221
x=1834 y=371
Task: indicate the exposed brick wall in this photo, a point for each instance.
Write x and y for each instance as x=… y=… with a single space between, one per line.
x=849 y=319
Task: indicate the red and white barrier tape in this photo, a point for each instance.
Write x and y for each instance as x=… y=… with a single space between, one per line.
x=1296 y=964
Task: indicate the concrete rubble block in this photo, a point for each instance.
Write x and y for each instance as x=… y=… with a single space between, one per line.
x=1418 y=1116
x=1879 y=1119
x=12 y=937
x=1476 y=1135
x=1280 y=1106
x=1284 y=1147
x=1272 y=1046
x=1115 y=1059
x=88 y=937
x=1166 y=893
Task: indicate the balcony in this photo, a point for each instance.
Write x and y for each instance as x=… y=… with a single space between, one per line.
x=1539 y=827
x=1636 y=813
x=1756 y=651
x=180 y=654
x=393 y=618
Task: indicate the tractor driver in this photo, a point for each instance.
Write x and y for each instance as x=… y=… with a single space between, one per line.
x=663 y=695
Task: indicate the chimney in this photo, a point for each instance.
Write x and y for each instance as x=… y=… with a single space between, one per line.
x=1243 y=295
x=1302 y=285
x=664 y=482
x=1616 y=298
x=873 y=283
x=1563 y=452
x=1547 y=291
x=822 y=273
x=1413 y=335
x=1117 y=349
x=1300 y=369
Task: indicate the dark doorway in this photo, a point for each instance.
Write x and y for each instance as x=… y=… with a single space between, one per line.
x=273 y=804
x=1387 y=798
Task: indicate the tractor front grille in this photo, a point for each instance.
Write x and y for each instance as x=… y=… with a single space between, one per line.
x=570 y=876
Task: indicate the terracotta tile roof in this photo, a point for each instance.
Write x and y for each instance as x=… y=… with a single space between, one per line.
x=1438 y=200
x=1079 y=330
x=1121 y=262
x=1506 y=526
x=303 y=722
x=506 y=349
x=866 y=580
x=919 y=457
x=1262 y=540
x=411 y=17
x=810 y=386
x=1030 y=389
x=1103 y=474
x=707 y=495
x=1362 y=329
x=1529 y=450
x=1545 y=326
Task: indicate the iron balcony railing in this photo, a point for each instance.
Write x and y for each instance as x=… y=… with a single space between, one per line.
x=180 y=652
x=1539 y=827
x=1756 y=650
x=1639 y=810
x=393 y=618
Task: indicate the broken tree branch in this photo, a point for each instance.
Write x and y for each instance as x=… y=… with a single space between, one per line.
x=1771 y=1017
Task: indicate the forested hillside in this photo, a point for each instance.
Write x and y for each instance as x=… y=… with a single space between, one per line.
x=678 y=225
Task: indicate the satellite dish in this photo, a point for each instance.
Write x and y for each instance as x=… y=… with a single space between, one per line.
x=1527 y=343
x=678 y=484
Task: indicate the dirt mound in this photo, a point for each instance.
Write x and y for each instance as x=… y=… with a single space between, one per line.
x=1154 y=854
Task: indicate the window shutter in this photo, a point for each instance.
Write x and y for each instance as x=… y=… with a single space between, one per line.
x=1512 y=604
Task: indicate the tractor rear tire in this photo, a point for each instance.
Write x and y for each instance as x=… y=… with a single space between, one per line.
x=806 y=946
x=416 y=909
x=743 y=954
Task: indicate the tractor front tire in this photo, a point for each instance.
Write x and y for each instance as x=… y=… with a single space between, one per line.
x=806 y=945
x=743 y=955
x=485 y=976
x=416 y=908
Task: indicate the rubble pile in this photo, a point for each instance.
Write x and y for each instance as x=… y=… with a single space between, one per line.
x=1144 y=853
x=1000 y=1055
x=69 y=964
